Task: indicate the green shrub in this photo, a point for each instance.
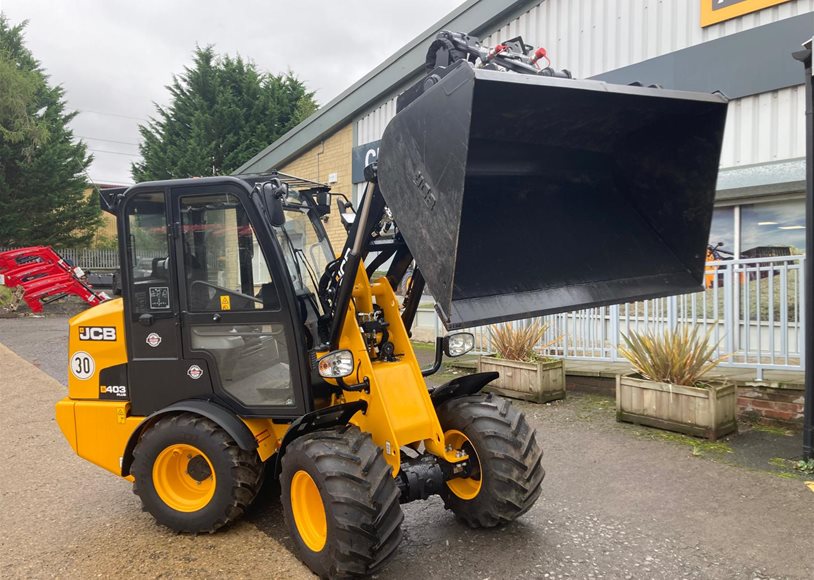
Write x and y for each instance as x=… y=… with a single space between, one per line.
x=9 y=299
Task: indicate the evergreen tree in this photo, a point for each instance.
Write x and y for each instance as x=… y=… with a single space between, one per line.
x=223 y=111
x=42 y=166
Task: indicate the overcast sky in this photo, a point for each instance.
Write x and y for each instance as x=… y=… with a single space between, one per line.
x=114 y=57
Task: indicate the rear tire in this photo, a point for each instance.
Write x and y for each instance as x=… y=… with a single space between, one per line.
x=192 y=476
x=340 y=502
x=506 y=449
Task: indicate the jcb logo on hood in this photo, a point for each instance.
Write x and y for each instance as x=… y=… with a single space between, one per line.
x=107 y=333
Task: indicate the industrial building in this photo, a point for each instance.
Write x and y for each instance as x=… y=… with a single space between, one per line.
x=742 y=48
x=739 y=47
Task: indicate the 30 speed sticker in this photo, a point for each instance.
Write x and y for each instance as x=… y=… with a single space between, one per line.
x=82 y=365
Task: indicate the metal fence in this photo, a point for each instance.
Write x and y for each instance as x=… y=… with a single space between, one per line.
x=88 y=259
x=753 y=308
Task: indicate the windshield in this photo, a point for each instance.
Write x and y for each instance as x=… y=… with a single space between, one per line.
x=305 y=245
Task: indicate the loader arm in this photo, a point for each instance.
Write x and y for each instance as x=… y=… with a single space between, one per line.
x=483 y=177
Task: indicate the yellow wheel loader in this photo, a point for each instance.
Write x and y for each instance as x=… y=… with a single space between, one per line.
x=243 y=346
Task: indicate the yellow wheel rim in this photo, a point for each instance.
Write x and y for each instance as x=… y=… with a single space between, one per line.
x=464 y=487
x=309 y=511
x=184 y=478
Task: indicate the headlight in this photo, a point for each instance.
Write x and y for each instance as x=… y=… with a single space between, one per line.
x=336 y=365
x=458 y=344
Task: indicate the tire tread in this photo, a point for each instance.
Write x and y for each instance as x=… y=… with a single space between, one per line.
x=363 y=501
x=245 y=468
x=510 y=459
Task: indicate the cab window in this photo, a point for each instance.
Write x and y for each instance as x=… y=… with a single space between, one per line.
x=223 y=264
x=148 y=254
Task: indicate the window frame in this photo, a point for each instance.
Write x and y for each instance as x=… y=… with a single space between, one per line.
x=285 y=314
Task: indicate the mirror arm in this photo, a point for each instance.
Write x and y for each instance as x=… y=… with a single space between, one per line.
x=439 y=355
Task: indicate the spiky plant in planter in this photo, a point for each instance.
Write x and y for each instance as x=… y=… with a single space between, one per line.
x=524 y=372
x=680 y=356
x=518 y=342
x=667 y=391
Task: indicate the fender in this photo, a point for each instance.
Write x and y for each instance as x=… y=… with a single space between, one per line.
x=226 y=419
x=315 y=420
x=461 y=387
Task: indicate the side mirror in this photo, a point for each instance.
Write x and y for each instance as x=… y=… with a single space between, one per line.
x=323 y=199
x=458 y=344
x=272 y=194
x=343 y=205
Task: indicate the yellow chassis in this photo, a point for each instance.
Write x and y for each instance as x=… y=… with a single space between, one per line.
x=399 y=409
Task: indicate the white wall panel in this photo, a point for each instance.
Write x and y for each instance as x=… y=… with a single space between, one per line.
x=766 y=127
x=371 y=125
x=590 y=37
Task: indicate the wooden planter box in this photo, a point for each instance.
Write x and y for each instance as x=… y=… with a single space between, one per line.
x=707 y=412
x=539 y=382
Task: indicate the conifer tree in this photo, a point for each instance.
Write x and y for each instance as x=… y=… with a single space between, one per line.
x=42 y=166
x=222 y=112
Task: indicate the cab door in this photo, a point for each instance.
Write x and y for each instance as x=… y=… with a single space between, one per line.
x=156 y=373
x=233 y=296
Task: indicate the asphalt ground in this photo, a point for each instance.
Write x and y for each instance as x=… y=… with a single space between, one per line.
x=618 y=502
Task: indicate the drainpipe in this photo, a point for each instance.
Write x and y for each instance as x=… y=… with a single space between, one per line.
x=804 y=56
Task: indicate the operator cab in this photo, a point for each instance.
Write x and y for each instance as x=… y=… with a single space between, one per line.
x=220 y=299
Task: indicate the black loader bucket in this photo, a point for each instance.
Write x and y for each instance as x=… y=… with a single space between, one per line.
x=521 y=195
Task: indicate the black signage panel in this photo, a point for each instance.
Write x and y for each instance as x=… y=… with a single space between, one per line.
x=362 y=156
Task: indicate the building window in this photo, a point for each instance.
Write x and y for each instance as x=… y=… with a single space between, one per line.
x=773 y=229
x=723 y=231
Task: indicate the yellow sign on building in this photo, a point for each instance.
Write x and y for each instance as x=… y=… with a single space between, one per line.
x=714 y=11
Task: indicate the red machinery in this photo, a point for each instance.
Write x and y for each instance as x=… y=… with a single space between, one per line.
x=45 y=277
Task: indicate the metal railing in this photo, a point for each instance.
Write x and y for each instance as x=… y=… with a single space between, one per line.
x=753 y=308
x=88 y=259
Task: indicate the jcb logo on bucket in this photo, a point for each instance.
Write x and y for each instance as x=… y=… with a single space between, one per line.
x=107 y=333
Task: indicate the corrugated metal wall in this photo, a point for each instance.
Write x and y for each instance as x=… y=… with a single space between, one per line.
x=766 y=127
x=590 y=37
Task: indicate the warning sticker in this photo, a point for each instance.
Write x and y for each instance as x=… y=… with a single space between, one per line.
x=159 y=298
x=225 y=303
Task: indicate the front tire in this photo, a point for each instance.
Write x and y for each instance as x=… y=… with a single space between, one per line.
x=340 y=502
x=507 y=476
x=192 y=476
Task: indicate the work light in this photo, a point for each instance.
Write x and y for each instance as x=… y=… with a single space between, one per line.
x=459 y=344
x=336 y=364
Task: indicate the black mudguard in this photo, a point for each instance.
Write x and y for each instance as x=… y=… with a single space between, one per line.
x=314 y=421
x=461 y=387
x=227 y=420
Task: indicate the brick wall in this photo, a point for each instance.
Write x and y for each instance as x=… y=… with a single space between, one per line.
x=333 y=155
x=779 y=404
x=783 y=404
x=107 y=229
